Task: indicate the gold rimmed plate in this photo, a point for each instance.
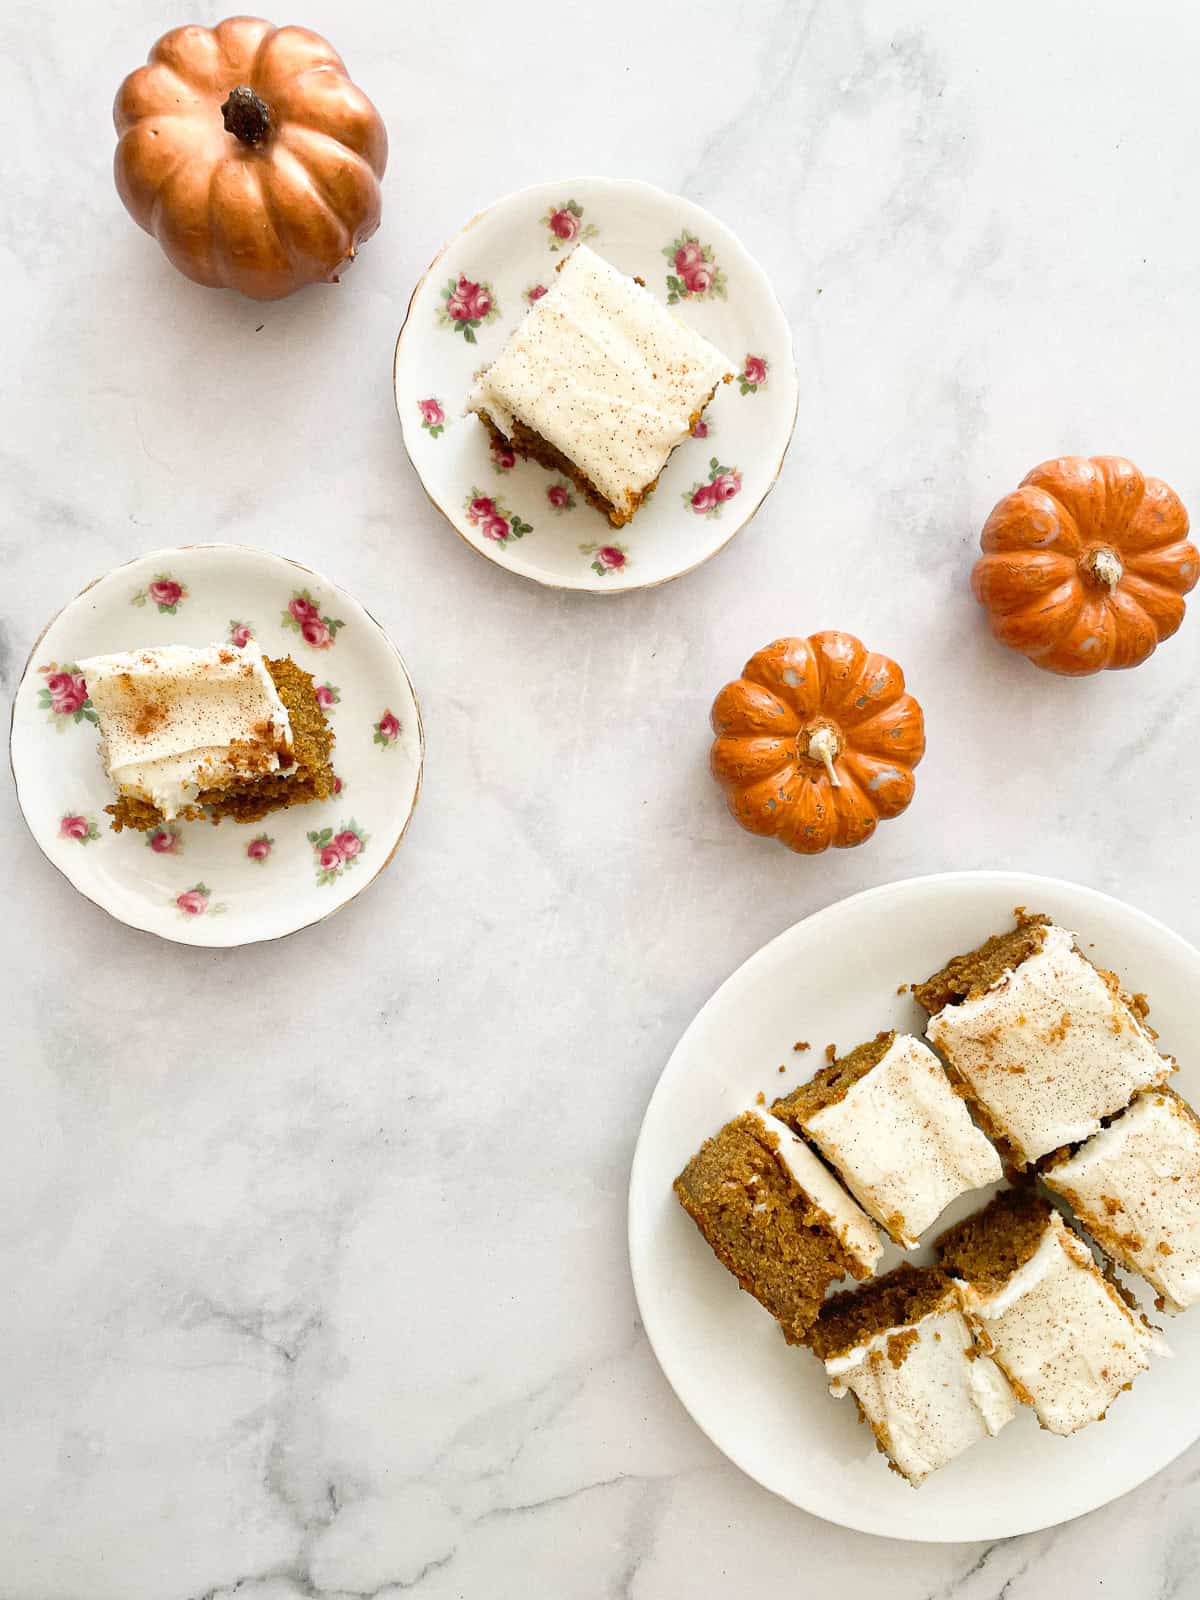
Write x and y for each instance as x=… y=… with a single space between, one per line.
x=232 y=884
x=534 y=522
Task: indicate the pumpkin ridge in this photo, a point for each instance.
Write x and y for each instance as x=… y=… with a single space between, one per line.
x=164 y=201
x=342 y=154
x=144 y=88
x=1162 y=566
x=1165 y=607
x=886 y=736
x=268 y=73
x=872 y=772
x=271 y=202
x=1124 y=493
x=271 y=209
x=854 y=814
x=761 y=807
x=234 y=270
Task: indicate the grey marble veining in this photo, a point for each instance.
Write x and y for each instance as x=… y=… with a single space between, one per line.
x=313 y=1254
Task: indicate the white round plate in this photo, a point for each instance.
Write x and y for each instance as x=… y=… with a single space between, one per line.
x=235 y=883
x=491 y=268
x=833 y=979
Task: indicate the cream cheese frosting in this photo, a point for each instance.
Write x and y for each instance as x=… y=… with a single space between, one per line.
x=904 y=1142
x=605 y=374
x=1049 y=1050
x=1061 y=1333
x=1135 y=1186
x=176 y=720
x=853 y=1231
x=926 y=1390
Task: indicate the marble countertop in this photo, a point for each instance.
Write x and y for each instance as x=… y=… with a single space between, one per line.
x=314 y=1253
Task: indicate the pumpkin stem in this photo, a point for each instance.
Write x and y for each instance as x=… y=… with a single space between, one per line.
x=823 y=746
x=246 y=115
x=1104 y=567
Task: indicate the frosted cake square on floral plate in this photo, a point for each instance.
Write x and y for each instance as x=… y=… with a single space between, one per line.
x=470 y=307
x=173 y=873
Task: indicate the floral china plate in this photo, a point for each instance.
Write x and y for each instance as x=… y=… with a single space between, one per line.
x=231 y=884
x=534 y=522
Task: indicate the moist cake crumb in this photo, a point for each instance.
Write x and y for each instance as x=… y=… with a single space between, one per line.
x=776 y=1218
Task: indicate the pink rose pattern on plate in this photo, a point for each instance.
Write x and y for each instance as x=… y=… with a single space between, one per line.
x=197 y=902
x=695 y=272
x=566 y=225
x=560 y=497
x=433 y=418
x=535 y=292
x=336 y=850
x=64 y=695
x=165 y=592
x=304 y=616
x=73 y=825
x=493 y=519
x=503 y=459
x=706 y=499
x=606 y=558
x=387 y=730
x=753 y=375
x=466 y=306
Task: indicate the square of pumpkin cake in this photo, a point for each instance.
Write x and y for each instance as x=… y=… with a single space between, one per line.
x=1135 y=1187
x=902 y=1347
x=887 y=1118
x=1066 y=1336
x=776 y=1217
x=1042 y=1043
x=212 y=732
x=599 y=382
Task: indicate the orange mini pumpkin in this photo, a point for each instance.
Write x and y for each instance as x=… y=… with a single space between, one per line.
x=1085 y=565
x=250 y=156
x=816 y=741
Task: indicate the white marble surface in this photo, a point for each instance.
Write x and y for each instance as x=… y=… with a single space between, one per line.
x=313 y=1254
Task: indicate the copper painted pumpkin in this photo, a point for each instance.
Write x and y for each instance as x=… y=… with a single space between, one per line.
x=1085 y=565
x=816 y=741
x=250 y=156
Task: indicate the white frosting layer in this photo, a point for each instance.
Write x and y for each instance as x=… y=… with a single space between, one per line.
x=604 y=373
x=1062 y=1333
x=1049 y=1050
x=849 y=1226
x=904 y=1142
x=1136 y=1187
x=176 y=720
x=936 y=1402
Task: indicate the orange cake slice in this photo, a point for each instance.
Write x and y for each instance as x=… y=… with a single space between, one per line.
x=216 y=732
x=776 y=1217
